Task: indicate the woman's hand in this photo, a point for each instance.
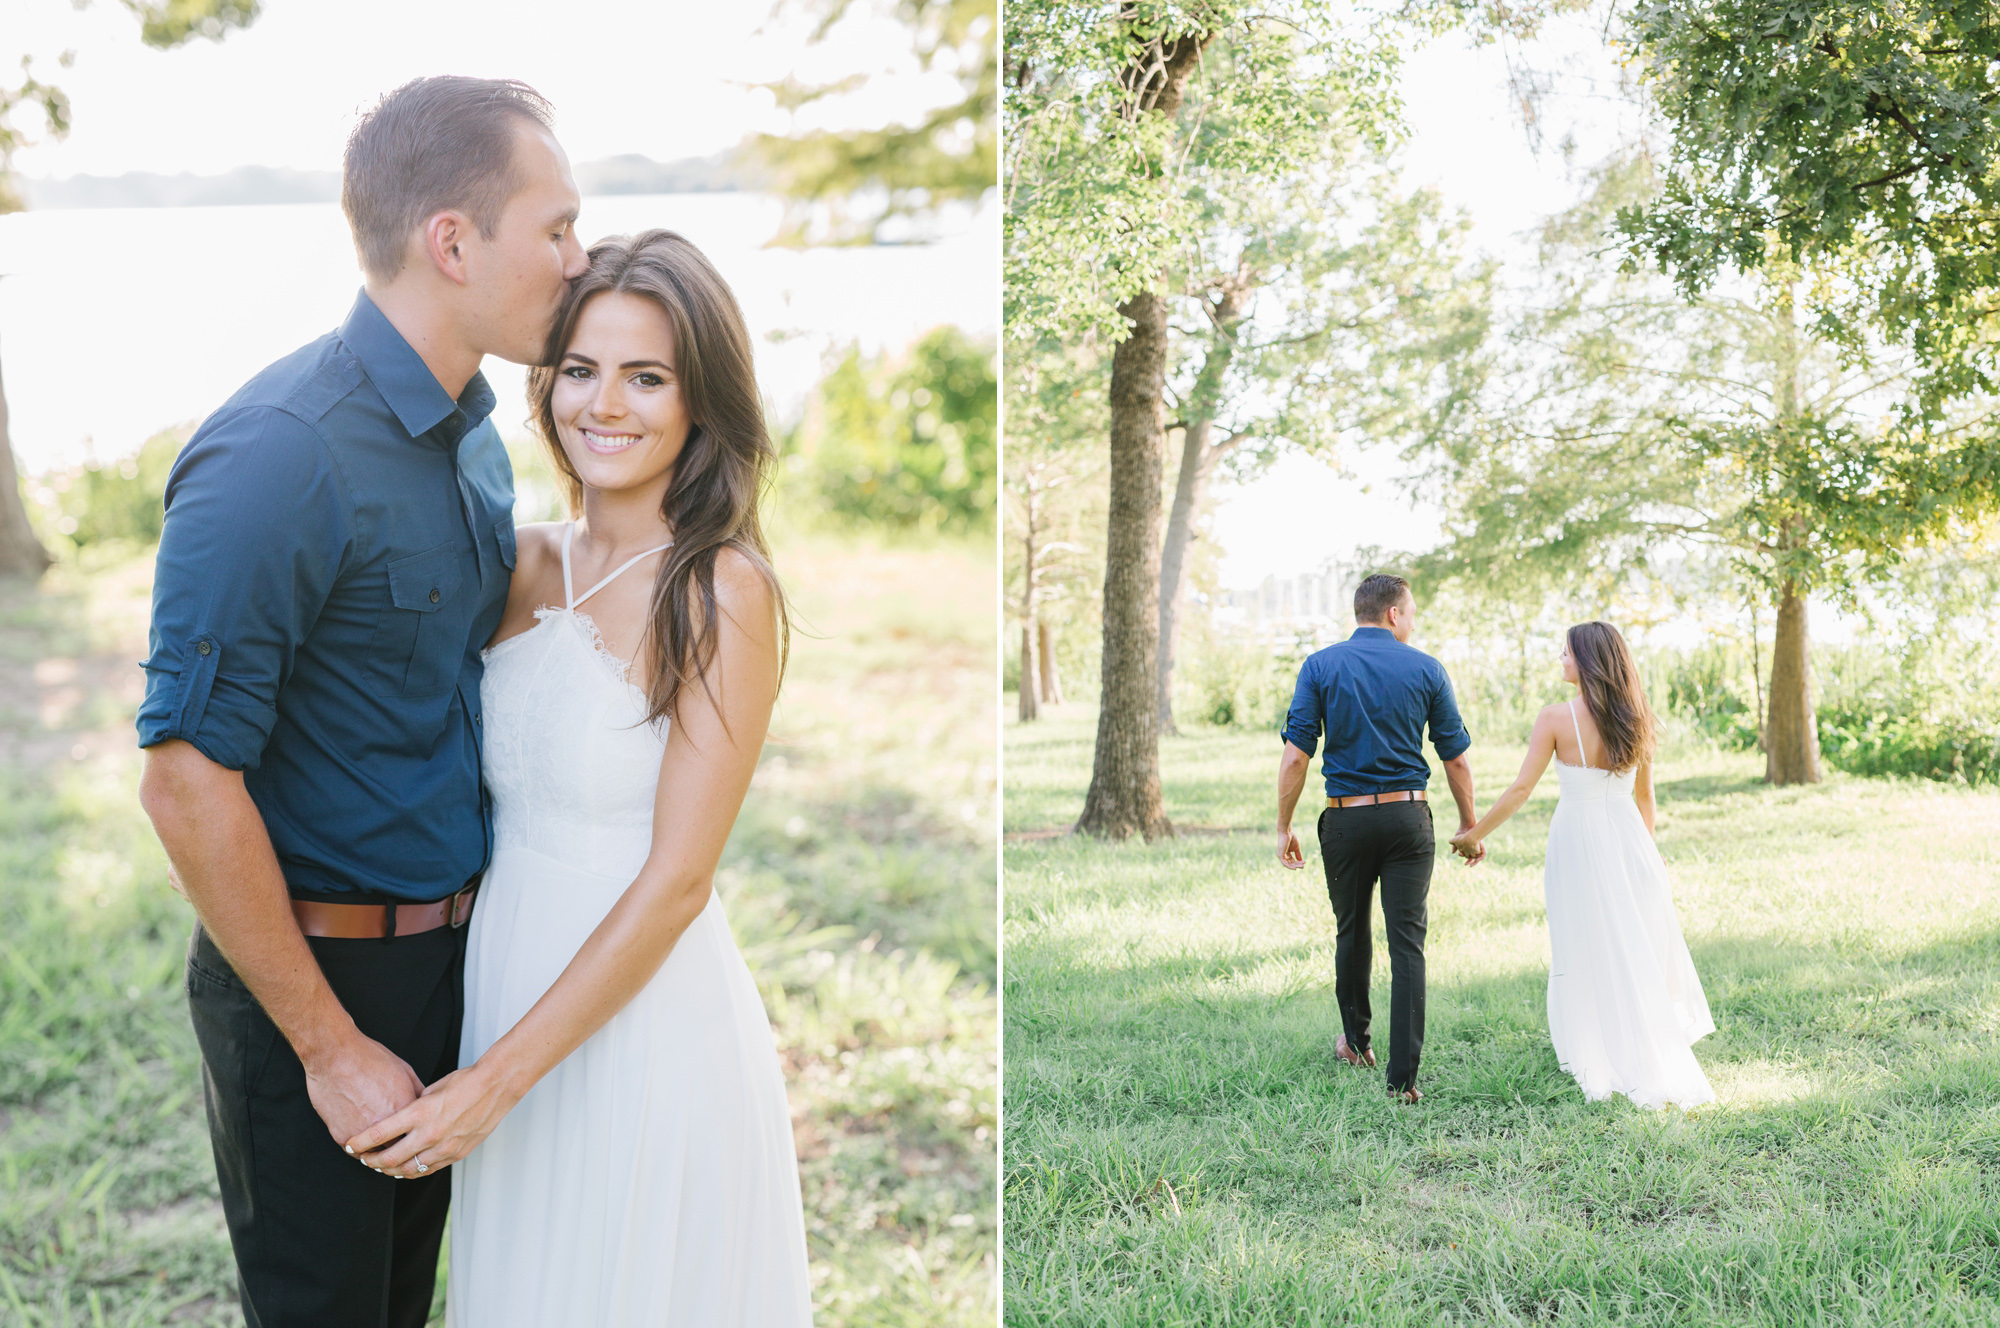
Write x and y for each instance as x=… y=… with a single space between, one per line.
x=1468 y=846
x=451 y=1118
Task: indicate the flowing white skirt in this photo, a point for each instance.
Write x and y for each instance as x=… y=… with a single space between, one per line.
x=649 y=1179
x=1625 y=1003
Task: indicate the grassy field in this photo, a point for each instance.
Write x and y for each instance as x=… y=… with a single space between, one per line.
x=860 y=883
x=1182 y=1148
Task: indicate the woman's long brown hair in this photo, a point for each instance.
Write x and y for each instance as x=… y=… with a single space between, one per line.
x=1608 y=676
x=724 y=467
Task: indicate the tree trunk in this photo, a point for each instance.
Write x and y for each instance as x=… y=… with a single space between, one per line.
x=1051 y=679
x=1791 y=737
x=1198 y=458
x=1030 y=691
x=21 y=554
x=1189 y=488
x=1124 y=797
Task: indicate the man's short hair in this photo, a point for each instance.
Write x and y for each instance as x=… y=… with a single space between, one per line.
x=1378 y=594
x=434 y=144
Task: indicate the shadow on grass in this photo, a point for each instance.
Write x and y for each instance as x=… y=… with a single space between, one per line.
x=1181 y=1149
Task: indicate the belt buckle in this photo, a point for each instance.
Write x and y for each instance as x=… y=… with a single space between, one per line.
x=461 y=907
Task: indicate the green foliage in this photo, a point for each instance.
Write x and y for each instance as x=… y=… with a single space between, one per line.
x=1619 y=422
x=1232 y=680
x=51 y=103
x=903 y=442
x=101 y=501
x=1854 y=137
x=893 y=171
x=1101 y=193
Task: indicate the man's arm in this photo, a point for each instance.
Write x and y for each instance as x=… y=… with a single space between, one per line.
x=1292 y=767
x=222 y=853
x=257 y=528
x=1458 y=774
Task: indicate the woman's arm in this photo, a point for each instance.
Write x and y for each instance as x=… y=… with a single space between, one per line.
x=711 y=754
x=1541 y=746
x=1642 y=791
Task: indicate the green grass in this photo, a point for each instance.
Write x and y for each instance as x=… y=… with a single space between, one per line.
x=1181 y=1147
x=860 y=884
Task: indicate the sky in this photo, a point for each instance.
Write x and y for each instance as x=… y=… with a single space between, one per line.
x=664 y=79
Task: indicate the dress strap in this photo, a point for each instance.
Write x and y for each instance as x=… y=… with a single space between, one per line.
x=629 y=562
x=569 y=595
x=1582 y=757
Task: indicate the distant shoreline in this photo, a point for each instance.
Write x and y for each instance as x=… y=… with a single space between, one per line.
x=254 y=185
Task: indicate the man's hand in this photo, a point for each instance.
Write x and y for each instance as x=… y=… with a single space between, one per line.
x=1472 y=850
x=1289 y=852
x=451 y=1118
x=357 y=1084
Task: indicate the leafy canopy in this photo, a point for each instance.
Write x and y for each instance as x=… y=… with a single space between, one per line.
x=1855 y=137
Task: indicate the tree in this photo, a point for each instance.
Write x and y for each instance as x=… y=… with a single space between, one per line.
x=1333 y=310
x=1101 y=207
x=1626 y=419
x=1850 y=135
x=1117 y=113
x=1055 y=411
x=897 y=171
x=163 y=25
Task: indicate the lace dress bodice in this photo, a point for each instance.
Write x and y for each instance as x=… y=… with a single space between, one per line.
x=569 y=761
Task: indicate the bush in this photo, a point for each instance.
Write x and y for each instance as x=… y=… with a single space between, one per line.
x=1235 y=681
x=903 y=442
x=101 y=501
x=1961 y=749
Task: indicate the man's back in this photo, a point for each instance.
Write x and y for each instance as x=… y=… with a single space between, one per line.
x=1373 y=696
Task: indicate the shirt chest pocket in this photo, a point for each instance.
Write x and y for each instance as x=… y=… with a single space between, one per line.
x=420 y=644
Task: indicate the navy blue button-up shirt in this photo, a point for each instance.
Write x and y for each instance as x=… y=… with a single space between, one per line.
x=1373 y=697
x=339 y=538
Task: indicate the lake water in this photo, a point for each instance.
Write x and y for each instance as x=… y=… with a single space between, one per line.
x=116 y=323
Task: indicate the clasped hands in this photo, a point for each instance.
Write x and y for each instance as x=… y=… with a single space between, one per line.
x=416 y=1129
x=1471 y=849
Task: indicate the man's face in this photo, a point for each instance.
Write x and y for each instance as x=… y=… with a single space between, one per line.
x=517 y=276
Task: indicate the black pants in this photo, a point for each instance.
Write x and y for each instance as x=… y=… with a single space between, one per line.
x=1390 y=842
x=321 y=1241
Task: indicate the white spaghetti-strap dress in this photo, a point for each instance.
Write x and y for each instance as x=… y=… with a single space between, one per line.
x=650 y=1178
x=1625 y=1003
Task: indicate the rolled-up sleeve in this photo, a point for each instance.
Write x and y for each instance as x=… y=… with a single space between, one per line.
x=1448 y=733
x=1304 y=720
x=257 y=527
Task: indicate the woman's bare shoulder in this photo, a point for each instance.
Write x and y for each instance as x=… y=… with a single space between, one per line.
x=537 y=565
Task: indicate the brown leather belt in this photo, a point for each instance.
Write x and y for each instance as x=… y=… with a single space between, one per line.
x=1370 y=799
x=380 y=921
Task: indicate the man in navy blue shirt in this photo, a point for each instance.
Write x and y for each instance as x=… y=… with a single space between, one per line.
x=1373 y=695
x=339 y=540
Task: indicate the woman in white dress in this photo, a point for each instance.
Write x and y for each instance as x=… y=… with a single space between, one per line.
x=1625 y=1004
x=623 y=1148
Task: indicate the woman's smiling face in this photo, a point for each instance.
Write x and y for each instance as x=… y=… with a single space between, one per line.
x=617 y=400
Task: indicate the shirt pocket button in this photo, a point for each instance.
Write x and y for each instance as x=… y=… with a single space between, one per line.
x=434 y=595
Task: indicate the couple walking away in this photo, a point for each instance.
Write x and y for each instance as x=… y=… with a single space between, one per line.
x=376 y=711
x=1625 y=1004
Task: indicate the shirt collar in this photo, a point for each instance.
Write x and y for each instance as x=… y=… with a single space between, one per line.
x=404 y=380
x=1373 y=633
